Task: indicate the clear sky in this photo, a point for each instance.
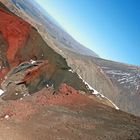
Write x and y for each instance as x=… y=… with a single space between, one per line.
x=111 y=28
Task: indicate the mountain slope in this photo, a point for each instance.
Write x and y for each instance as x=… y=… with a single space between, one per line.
x=119 y=82
x=20 y=44
x=126 y=78
x=36 y=118
x=44 y=98
x=96 y=76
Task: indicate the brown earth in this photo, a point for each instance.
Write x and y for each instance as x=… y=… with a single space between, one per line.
x=65 y=114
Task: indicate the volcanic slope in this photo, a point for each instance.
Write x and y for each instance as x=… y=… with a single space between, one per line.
x=45 y=99
x=124 y=93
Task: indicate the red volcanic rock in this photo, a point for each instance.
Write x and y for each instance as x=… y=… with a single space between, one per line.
x=66 y=90
x=66 y=95
x=15 y=31
x=27 y=107
x=20 y=110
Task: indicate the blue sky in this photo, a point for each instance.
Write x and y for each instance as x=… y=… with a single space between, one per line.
x=111 y=28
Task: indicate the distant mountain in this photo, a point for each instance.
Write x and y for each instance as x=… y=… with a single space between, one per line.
x=37 y=13
x=126 y=79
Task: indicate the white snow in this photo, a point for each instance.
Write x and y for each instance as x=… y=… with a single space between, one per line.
x=105 y=67
x=47 y=85
x=121 y=79
x=95 y=92
x=128 y=79
x=16 y=93
x=7 y=116
x=1 y=92
x=109 y=101
x=32 y=61
x=122 y=82
x=117 y=72
x=24 y=95
x=71 y=70
x=137 y=87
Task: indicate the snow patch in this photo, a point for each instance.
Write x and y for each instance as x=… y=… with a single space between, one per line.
x=137 y=87
x=1 y=92
x=16 y=94
x=32 y=61
x=109 y=101
x=71 y=70
x=95 y=92
x=117 y=72
x=7 y=116
x=130 y=79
